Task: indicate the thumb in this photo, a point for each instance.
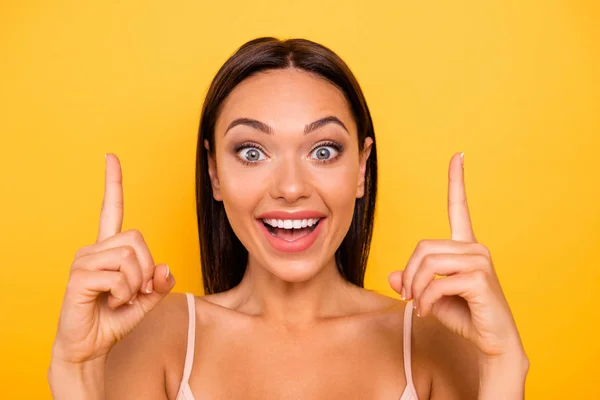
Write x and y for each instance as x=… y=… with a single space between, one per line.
x=395 y=280
x=163 y=282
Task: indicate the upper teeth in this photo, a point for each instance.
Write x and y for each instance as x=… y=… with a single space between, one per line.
x=291 y=223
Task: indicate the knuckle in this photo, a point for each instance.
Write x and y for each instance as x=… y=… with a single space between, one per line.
x=121 y=280
x=134 y=234
x=480 y=277
x=483 y=260
x=422 y=245
x=82 y=251
x=75 y=265
x=428 y=261
x=80 y=263
x=483 y=249
x=127 y=252
x=122 y=290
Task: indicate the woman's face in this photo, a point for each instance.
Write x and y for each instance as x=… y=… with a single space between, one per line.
x=288 y=170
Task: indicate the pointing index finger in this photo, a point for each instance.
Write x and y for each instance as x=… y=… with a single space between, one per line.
x=458 y=209
x=111 y=216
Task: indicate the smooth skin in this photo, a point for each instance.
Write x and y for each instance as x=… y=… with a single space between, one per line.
x=293 y=328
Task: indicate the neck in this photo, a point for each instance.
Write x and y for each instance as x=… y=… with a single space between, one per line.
x=326 y=294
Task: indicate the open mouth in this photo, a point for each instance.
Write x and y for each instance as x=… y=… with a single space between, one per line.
x=290 y=230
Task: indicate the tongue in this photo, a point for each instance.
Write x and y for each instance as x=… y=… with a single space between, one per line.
x=291 y=234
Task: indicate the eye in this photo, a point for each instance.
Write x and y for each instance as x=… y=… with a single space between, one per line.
x=250 y=153
x=326 y=152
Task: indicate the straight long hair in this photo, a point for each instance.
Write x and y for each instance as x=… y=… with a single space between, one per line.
x=223 y=256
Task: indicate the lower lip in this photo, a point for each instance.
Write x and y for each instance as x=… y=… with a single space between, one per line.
x=293 y=246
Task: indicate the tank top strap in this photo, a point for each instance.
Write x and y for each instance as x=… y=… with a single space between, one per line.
x=189 y=355
x=408 y=312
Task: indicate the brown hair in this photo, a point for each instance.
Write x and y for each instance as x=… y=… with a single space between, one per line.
x=223 y=256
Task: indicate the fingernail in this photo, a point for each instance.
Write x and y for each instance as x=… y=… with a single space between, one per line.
x=131 y=302
x=149 y=286
x=167 y=274
x=403 y=293
x=462 y=158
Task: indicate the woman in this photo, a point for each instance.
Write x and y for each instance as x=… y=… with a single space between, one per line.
x=286 y=186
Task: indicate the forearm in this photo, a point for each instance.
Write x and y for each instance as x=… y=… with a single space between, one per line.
x=83 y=381
x=503 y=378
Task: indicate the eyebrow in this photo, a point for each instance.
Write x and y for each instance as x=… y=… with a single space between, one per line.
x=261 y=126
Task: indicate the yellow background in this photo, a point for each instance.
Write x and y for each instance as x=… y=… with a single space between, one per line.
x=515 y=85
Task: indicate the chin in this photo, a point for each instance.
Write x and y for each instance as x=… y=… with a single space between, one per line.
x=295 y=271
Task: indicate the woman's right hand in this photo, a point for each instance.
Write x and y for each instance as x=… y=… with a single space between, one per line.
x=105 y=276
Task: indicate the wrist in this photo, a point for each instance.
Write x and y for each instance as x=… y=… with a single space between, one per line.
x=83 y=381
x=503 y=377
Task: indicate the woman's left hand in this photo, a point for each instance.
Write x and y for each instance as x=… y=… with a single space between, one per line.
x=467 y=298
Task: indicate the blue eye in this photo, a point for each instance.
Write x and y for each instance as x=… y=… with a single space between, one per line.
x=326 y=152
x=251 y=154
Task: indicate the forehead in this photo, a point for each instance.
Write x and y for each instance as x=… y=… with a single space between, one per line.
x=285 y=99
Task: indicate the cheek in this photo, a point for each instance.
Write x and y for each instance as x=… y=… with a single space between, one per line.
x=242 y=189
x=239 y=184
x=337 y=187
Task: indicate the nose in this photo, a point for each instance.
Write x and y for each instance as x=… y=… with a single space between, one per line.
x=289 y=180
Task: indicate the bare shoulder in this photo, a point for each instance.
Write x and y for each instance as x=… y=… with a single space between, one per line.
x=386 y=310
x=143 y=361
